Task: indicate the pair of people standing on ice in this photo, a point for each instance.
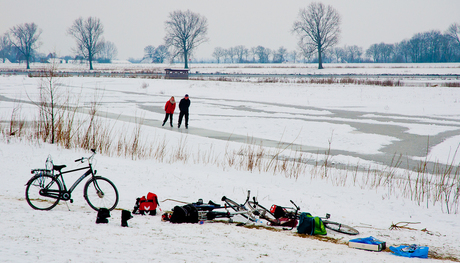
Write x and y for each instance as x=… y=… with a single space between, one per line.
x=170 y=106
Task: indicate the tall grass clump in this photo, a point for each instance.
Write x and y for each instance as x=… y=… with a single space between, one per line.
x=440 y=185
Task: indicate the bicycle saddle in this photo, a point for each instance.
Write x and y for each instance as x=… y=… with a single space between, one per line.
x=59 y=167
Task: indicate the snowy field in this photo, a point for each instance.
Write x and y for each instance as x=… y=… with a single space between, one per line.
x=257 y=68
x=298 y=113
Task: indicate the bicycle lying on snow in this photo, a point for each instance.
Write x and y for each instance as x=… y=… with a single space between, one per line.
x=47 y=187
x=251 y=210
x=282 y=216
x=199 y=211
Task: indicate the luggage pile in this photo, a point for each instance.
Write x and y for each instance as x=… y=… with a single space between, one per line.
x=252 y=212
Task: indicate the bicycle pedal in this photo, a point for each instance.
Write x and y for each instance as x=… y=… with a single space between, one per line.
x=71 y=201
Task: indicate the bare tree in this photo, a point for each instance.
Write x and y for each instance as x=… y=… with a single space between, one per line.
x=262 y=54
x=339 y=54
x=5 y=47
x=185 y=31
x=279 y=56
x=227 y=56
x=353 y=54
x=108 y=52
x=231 y=53
x=401 y=52
x=218 y=53
x=161 y=53
x=149 y=52
x=374 y=52
x=88 y=34
x=241 y=52
x=386 y=52
x=454 y=32
x=318 y=27
x=51 y=104
x=294 y=56
x=25 y=39
x=253 y=52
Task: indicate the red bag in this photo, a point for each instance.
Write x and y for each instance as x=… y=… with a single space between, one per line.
x=147 y=205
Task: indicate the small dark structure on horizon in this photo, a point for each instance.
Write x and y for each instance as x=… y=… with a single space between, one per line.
x=176 y=73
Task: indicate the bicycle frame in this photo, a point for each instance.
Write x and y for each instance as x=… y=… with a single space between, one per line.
x=236 y=206
x=66 y=193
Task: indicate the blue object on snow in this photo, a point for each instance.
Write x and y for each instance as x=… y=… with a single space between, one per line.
x=367 y=240
x=412 y=251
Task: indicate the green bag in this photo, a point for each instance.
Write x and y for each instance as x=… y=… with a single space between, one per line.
x=310 y=225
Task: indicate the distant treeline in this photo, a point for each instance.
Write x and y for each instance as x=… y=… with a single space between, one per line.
x=428 y=47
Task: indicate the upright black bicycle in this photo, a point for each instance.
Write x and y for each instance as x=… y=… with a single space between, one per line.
x=47 y=187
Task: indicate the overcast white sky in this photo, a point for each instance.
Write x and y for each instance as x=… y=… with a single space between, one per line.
x=132 y=25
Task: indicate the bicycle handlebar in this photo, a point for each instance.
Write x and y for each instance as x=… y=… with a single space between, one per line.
x=82 y=159
x=298 y=208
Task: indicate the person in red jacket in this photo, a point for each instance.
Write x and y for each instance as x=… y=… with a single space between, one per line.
x=169 y=108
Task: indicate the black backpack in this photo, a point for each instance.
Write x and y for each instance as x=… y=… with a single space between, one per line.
x=184 y=214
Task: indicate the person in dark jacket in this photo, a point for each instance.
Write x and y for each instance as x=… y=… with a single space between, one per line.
x=170 y=106
x=184 y=104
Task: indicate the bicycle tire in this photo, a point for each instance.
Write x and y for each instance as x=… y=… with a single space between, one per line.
x=42 y=183
x=345 y=229
x=100 y=192
x=263 y=213
x=234 y=205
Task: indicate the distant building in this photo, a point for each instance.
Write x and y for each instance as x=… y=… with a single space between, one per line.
x=176 y=73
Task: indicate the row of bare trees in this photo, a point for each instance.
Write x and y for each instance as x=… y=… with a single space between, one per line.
x=259 y=54
x=432 y=46
x=156 y=55
x=185 y=31
x=21 y=41
x=317 y=27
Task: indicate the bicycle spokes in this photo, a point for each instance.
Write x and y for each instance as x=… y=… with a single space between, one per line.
x=43 y=192
x=99 y=191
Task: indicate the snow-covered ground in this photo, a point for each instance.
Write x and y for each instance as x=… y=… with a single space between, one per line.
x=69 y=233
x=258 y=68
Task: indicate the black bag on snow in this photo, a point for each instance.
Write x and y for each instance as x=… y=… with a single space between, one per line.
x=184 y=214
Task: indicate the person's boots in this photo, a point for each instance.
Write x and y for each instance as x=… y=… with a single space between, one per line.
x=102 y=215
x=125 y=216
x=163 y=124
x=136 y=206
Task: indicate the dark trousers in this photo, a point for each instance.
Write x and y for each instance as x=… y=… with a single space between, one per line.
x=181 y=115
x=170 y=118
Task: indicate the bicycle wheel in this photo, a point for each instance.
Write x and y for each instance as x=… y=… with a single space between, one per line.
x=340 y=227
x=263 y=213
x=42 y=192
x=234 y=205
x=100 y=192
